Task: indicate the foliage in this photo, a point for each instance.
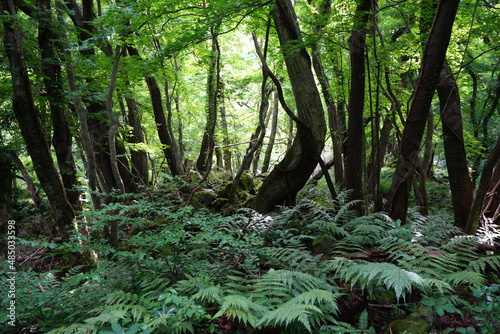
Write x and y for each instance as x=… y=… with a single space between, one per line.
x=184 y=271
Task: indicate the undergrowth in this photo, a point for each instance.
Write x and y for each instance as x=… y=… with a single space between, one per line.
x=311 y=268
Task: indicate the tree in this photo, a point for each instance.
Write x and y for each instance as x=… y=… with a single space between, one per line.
x=164 y=128
x=355 y=128
x=204 y=161
x=290 y=175
x=54 y=85
x=432 y=61
x=29 y=123
x=456 y=160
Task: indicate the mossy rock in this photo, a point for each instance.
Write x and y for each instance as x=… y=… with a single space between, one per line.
x=419 y=322
x=203 y=199
x=323 y=245
x=247 y=184
x=220 y=203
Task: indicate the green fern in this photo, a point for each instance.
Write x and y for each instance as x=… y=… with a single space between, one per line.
x=241 y=308
x=368 y=275
x=289 y=313
x=210 y=294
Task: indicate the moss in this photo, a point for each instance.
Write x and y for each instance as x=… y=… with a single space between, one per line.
x=202 y=199
x=419 y=322
x=220 y=203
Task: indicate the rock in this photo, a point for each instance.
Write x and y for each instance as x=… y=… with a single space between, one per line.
x=419 y=322
x=203 y=198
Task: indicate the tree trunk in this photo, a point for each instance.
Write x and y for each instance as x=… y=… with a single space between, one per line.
x=432 y=61
x=204 y=161
x=462 y=191
x=492 y=208
x=226 y=151
x=282 y=185
x=62 y=137
x=355 y=128
x=113 y=122
x=91 y=170
x=482 y=190
x=272 y=135
x=96 y=109
x=29 y=123
x=140 y=165
x=165 y=133
x=258 y=136
x=170 y=146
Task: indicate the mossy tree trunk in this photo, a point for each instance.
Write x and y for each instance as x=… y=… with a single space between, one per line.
x=204 y=161
x=432 y=61
x=30 y=126
x=284 y=182
x=62 y=137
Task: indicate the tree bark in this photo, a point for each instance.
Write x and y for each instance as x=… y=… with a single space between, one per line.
x=355 y=128
x=164 y=132
x=96 y=109
x=462 y=191
x=226 y=152
x=204 y=161
x=113 y=122
x=334 y=122
x=432 y=61
x=482 y=189
x=140 y=165
x=272 y=135
x=62 y=137
x=29 y=123
x=282 y=185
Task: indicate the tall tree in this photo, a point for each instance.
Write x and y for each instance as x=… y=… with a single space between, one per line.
x=52 y=77
x=354 y=152
x=334 y=122
x=97 y=120
x=484 y=185
x=432 y=61
x=454 y=147
x=165 y=132
x=139 y=158
x=272 y=134
x=281 y=186
x=204 y=161
x=29 y=123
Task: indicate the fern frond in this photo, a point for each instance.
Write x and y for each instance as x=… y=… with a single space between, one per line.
x=292 y=280
x=479 y=265
x=466 y=277
x=120 y=297
x=318 y=297
x=210 y=294
x=241 y=308
x=108 y=316
x=432 y=284
x=368 y=274
x=73 y=329
x=291 y=312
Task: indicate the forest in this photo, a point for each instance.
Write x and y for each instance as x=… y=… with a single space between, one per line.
x=250 y=166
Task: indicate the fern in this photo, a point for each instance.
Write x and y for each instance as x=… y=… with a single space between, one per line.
x=480 y=264
x=210 y=294
x=289 y=313
x=368 y=275
x=472 y=278
x=241 y=308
